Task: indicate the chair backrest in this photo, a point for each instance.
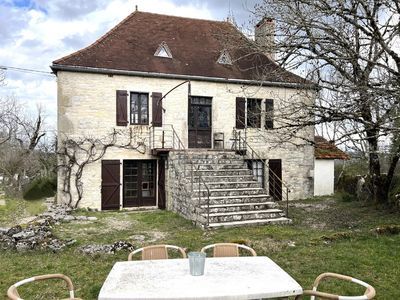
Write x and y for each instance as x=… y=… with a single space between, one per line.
x=368 y=294
x=12 y=292
x=156 y=252
x=227 y=249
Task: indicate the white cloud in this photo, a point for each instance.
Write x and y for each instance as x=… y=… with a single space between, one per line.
x=34 y=37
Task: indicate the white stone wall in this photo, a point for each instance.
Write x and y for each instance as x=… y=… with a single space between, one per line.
x=87 y=107
x=324 y=177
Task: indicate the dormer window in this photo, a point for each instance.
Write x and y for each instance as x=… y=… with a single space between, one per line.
x=163 y=51
x=224 y=58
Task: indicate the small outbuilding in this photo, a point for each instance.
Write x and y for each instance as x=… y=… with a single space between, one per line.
x=324 y=165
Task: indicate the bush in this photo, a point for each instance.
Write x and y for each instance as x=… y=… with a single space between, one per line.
x=394 y=193
x=40 y=188
x=348 y=184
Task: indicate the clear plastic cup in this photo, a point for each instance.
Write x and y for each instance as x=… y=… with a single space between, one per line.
x=196 y=263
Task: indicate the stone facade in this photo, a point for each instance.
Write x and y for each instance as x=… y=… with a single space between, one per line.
x=87 y=107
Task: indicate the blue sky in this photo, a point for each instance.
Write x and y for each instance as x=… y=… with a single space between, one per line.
x=33 y=33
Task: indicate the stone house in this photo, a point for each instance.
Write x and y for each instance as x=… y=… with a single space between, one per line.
x=192 y=116
x=325 y=154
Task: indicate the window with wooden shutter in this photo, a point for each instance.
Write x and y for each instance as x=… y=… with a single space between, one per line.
x=254 y=113
x=157 y=109
x=122 y=108
x=139 y=108
x=269 y=113
x=240 y=113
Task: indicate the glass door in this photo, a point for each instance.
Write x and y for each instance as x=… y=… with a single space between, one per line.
x=200 y=124
x=139 y=183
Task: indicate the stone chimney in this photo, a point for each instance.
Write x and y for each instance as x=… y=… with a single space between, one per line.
x=265 y=36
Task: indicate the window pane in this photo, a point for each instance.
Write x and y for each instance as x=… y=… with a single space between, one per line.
x=254 y=113
x=144 y=108
x=204 y=114
x=269 y=113
x=134 y=108
x=139 y=108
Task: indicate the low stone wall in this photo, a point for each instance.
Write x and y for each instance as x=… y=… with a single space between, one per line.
x=179 y=190
x=36 y=234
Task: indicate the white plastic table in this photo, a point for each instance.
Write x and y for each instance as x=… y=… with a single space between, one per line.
x=224 y=278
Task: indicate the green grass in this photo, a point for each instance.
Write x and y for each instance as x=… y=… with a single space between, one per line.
x=328 y=235
x=16 y=209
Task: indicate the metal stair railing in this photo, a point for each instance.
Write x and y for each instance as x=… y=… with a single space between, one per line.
x=241 y=146
x=165 y=137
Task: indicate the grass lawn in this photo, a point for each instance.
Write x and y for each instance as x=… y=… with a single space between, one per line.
x=17 y=209
x=326 y=235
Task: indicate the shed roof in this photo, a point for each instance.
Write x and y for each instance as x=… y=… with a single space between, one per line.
x=327 y=150
x=195 y=46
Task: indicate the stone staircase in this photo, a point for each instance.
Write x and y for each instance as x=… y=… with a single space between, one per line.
x=234 y=196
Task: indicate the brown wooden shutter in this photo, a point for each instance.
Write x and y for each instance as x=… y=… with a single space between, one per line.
x=269 y=113
x=157 y=109
x=240 y=113
x=122 y=108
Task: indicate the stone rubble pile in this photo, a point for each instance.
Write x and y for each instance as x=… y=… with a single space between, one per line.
x=106 y=249
x=62 y=213
x=36 y=234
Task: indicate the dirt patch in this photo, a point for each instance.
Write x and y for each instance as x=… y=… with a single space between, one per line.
x=270 y=245
x=323 y=214
x=310 y=207
x=118 y=223
x=148 y=237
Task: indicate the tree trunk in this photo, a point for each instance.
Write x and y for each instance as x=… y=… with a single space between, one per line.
x=377 y=182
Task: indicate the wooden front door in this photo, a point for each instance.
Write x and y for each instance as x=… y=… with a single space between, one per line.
x=275 y=179
x=199 y=122
x=110 y=184
x=139 y=183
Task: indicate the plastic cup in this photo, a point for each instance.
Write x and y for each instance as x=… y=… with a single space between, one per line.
x=196 y=263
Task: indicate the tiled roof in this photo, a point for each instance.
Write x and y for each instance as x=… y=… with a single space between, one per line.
x=327 y=150
x=195 y=45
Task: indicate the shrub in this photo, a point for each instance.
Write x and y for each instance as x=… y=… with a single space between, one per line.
x=394 y=193
x=348 y=184
x=40 y=188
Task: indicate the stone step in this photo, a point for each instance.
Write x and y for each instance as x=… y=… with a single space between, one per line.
x=244 y=215
x=226 y=178
x=195 y=167
x=230 y=192
x=222 y=172
x=200 y=155
x=234 y=207
x=280 y=221
x=235 y=199
x=233 y=184
x=217 y=161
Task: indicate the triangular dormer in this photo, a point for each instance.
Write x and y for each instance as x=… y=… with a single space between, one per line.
x=163 y=51
x=224 y=58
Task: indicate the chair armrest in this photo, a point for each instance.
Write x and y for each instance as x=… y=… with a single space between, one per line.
x=369 y=291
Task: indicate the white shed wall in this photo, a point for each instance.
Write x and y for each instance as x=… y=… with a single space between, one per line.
x=324 y=177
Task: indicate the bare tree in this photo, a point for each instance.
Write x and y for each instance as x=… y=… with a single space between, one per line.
x=9 y=110
x=21 y=136
x=349 y=48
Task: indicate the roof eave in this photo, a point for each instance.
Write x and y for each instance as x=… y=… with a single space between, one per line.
x=58 y=67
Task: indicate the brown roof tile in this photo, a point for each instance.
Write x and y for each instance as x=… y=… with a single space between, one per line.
x=195 y=45
x=327 y=150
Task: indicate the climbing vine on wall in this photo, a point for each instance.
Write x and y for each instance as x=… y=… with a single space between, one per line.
x=76 y=153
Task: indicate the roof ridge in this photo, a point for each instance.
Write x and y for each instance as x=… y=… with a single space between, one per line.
x=107 y=34
x=180 y=17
